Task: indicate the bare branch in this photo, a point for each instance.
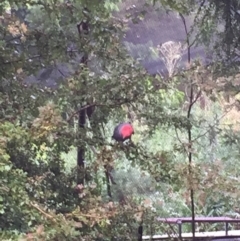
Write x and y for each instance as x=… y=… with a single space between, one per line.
x=171 y=53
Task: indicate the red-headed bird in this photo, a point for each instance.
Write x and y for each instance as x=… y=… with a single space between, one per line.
x=123 y=131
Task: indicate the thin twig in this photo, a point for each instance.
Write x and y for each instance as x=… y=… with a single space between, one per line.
x=97 y=105
x=192 y=101
x=43 y=212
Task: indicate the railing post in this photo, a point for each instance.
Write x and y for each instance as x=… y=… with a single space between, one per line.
x=179 y=228
x=226 y=228
x=140 y=232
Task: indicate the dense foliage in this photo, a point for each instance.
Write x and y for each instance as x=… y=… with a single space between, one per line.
x=186 y=143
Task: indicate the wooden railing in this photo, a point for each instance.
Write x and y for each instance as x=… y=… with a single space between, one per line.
x=202 y=235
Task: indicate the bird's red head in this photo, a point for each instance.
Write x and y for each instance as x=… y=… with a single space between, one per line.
x=126 y=131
